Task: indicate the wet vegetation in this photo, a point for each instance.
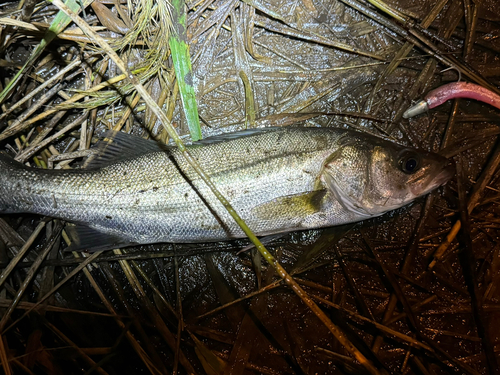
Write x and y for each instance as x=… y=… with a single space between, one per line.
x=416 y=291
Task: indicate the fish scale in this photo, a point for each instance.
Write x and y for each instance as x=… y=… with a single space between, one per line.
x=278 y=180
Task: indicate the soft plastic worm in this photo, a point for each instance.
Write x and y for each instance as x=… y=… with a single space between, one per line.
x=453 y=90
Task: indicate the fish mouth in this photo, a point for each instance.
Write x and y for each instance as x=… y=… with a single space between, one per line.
x=445 y=175
x=442 y=177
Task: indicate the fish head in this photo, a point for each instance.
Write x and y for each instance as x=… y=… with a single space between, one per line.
x=370 y=176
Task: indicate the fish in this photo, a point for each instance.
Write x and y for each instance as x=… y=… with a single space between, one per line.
x=136 y=191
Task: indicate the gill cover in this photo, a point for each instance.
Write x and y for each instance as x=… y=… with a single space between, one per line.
x=346 y=174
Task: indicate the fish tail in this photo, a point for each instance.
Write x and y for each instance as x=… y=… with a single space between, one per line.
x=9 y=183
x=7 y=162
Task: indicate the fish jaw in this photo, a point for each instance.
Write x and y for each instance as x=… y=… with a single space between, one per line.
x=441 y=178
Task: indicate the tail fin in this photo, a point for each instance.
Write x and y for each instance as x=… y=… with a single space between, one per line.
x=9 y=172
x=8 y=162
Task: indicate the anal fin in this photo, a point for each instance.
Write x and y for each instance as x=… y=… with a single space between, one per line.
x=85 y=238
x=264 y=241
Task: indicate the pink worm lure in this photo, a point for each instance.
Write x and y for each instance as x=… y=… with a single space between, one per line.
x=451 y=91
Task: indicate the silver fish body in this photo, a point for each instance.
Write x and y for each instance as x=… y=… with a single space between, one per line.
x=278 y=180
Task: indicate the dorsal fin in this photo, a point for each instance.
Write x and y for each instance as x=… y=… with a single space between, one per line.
x=118 y=146
x=233 y=135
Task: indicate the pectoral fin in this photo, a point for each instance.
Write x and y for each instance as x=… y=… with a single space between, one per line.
x=291 y=206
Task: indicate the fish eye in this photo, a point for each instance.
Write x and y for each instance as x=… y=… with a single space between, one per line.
x=409 y=162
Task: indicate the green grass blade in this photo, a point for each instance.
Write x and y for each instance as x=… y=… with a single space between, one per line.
x=183 y=71
x=57 y=25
